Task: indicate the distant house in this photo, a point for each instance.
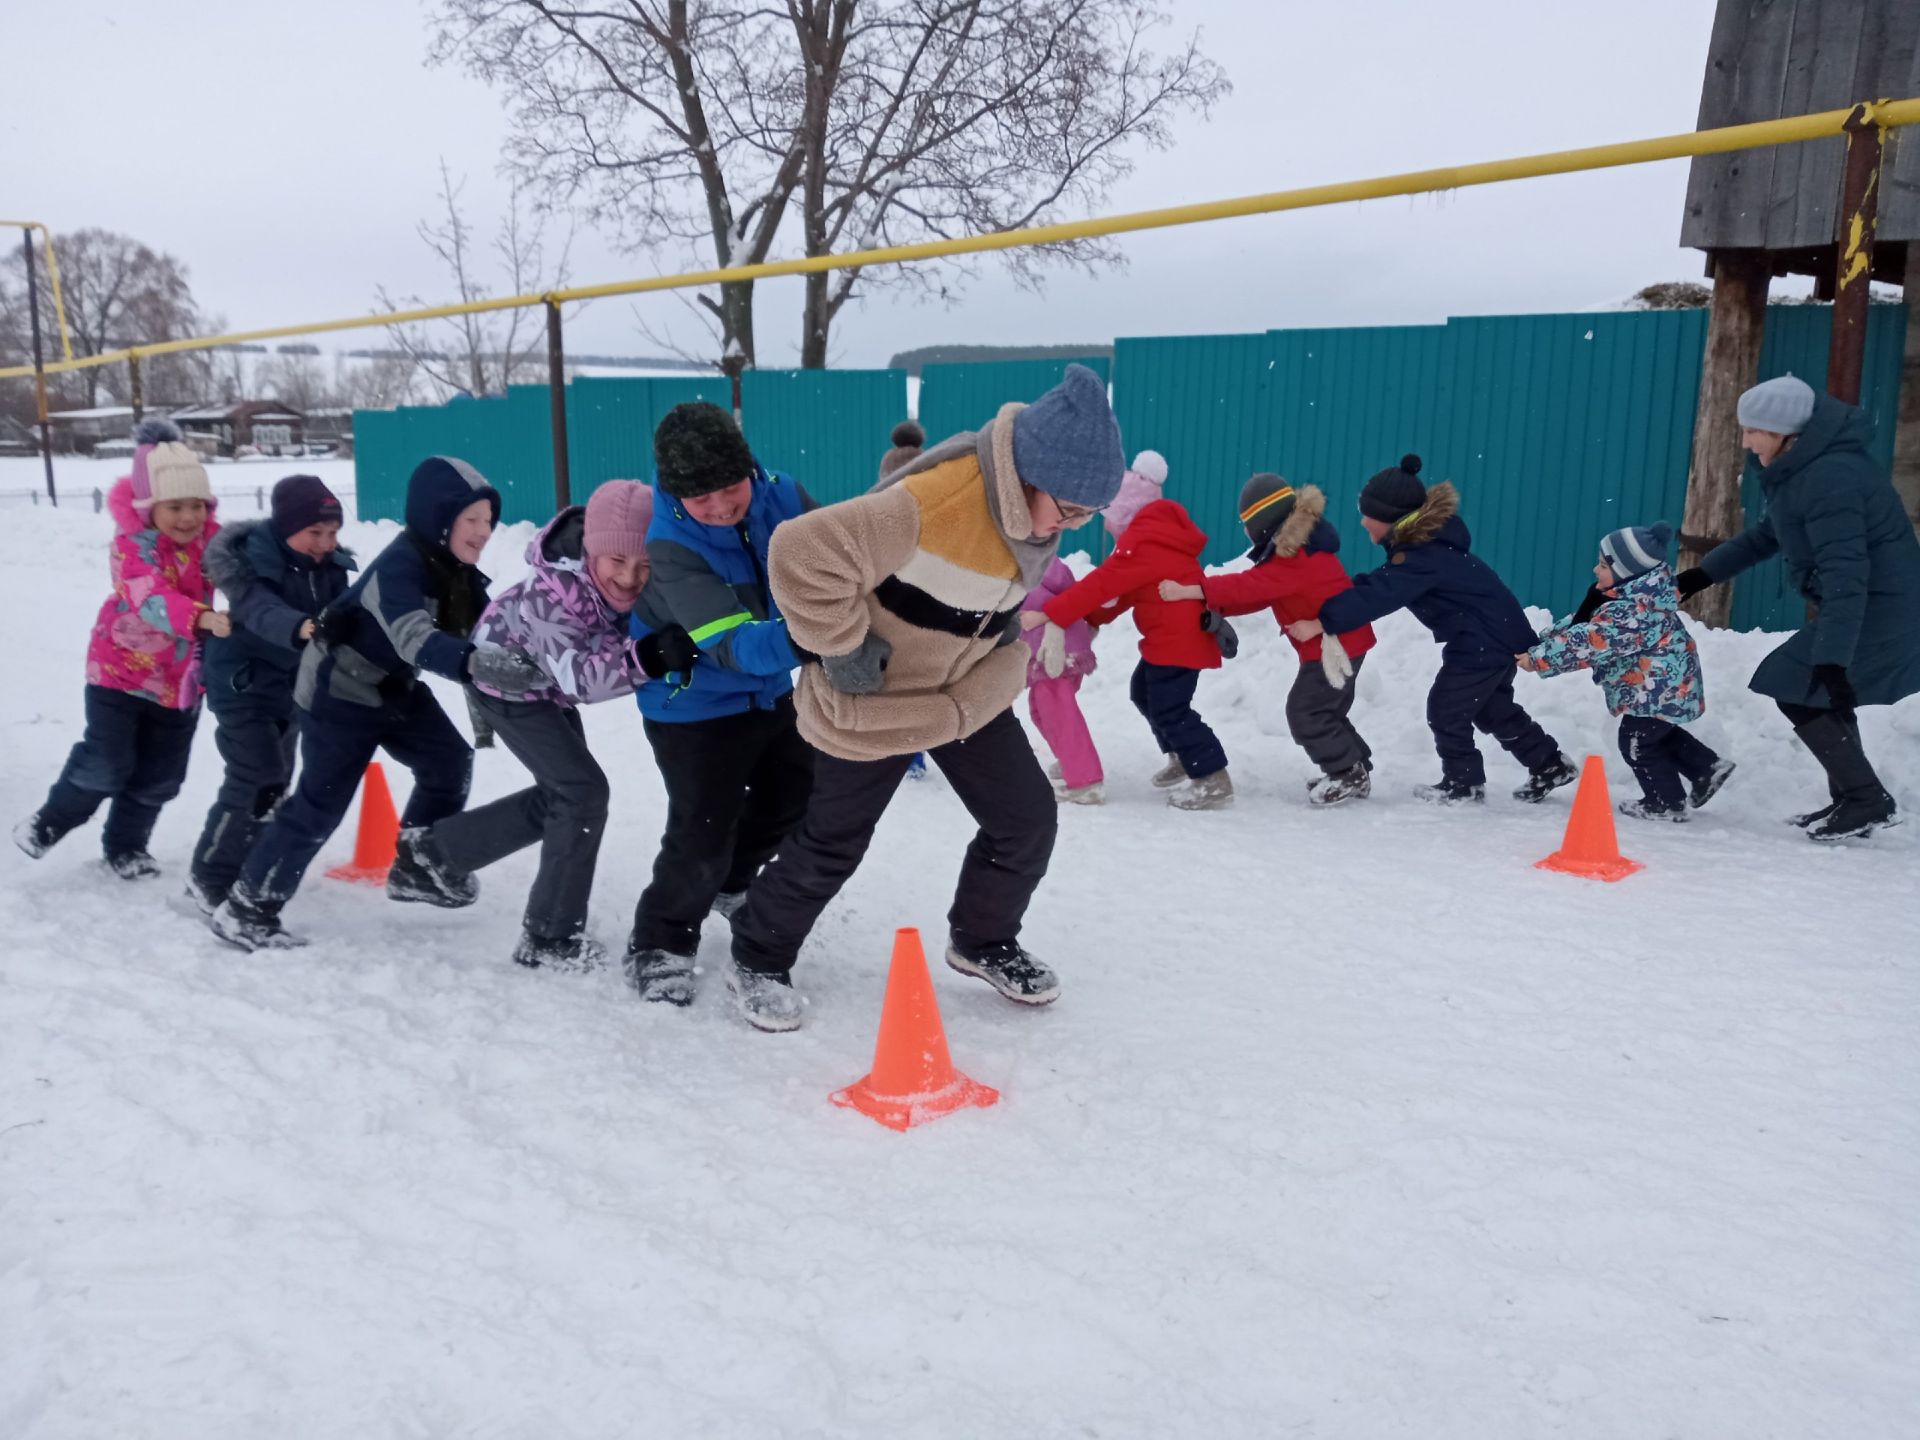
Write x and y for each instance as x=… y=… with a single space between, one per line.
x=78 y=431
x=268 y=426
x=331 y=427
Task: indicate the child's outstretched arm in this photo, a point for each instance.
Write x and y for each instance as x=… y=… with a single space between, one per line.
x=1120 y=572
x=146 y=589
x=1375 y=594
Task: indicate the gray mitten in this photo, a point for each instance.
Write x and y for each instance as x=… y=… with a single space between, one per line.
x=1224 y=635
x=482 y=726
x=861 y=671
x=502 y=670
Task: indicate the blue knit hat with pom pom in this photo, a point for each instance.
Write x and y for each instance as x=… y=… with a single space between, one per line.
x=1636 y=549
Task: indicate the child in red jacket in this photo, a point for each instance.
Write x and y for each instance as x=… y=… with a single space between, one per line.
x=1155 y=540
x=1296 y=568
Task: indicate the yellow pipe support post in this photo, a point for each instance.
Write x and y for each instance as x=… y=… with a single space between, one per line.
x=53 y=280
x=1787 y=131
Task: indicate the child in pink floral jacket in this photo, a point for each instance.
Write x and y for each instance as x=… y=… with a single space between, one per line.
x=143 y=660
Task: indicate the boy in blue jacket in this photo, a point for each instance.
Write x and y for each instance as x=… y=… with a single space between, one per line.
x=358 y=691
x=1432 y=572
x=278 y=574
x=736 y=770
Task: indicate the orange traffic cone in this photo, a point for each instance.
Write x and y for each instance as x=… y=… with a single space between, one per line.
x=378 y=841
x=913 y=1079
x=1591 y=848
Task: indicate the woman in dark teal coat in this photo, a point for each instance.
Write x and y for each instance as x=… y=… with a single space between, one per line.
x=1835 y=520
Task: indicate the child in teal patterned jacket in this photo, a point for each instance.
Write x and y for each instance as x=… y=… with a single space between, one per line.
x=1629 y=632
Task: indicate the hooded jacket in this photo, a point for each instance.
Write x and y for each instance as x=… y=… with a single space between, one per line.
x=377 y=637
x=144 y=641
x=557 y=618
x=272 y=590
x=935 y=561
x=1161 y=543
x=711 y=580
x=1294 y=574
x=1836 y=521
x=1432 y=573
x=1638 y=648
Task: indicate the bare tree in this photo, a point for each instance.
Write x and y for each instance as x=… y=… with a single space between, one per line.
x=873 y=122
x=117 y=292
x=481 y=354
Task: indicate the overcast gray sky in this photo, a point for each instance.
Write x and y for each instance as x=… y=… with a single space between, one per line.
x=284 y=151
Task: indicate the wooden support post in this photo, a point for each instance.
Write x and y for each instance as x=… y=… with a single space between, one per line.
x=39 y=370
x=1734 y=329
x=135 y=393
x=557 y=400
x=1906 y=435
x=1852 y=281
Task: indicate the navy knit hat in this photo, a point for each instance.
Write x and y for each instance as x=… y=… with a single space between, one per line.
x=300 y=501
x=697 y=449
x=1394 y=494
x=1635 y=550
x=1067 y=443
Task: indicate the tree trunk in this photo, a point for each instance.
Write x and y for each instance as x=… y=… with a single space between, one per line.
x=1734 y=329
x=1906 y=438
x=815 y=323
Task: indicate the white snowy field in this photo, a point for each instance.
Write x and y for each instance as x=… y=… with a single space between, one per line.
x=1349 y=1124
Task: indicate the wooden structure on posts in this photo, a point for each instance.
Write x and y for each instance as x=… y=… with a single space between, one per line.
x=1845 y=211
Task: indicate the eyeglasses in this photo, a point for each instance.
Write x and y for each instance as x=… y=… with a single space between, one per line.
x=1075 y=514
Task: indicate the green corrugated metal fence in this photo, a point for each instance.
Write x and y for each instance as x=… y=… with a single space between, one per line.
x=826 y=428
x=964 y=397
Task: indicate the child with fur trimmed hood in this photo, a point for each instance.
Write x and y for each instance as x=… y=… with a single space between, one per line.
x=1296 y=569
x=1432 y=572
x=1629 y=633
x=143 y=660
x=1154 y=540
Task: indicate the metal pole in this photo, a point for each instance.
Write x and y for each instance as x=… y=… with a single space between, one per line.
x=1859 y=213
x=39 y=369
x=138 y=395
x=557 y=403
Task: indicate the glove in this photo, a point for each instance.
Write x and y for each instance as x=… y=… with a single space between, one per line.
x=1596 y=597
x=482 y=725
x=1334 y=663
x=336 y=627
x=1224 y=635
x=1839 y=687
x=666 y=651
x=502 y=670
x=861 y=671
x=1691 y=582
x=1053 y=651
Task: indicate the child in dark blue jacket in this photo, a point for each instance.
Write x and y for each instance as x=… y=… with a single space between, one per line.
x=1432 y=572
x=278 y=575
x=358 y=691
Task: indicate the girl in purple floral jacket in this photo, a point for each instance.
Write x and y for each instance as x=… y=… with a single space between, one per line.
x=569 y=617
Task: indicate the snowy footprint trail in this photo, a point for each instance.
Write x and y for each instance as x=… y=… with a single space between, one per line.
x=1347 y=1124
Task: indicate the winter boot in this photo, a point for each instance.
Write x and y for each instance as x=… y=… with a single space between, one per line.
x=1008 y=969
x=728 y=902
x=421 y=874
x=1337 y=789
x=1547 y=779
x=1862 y=803
x=221 y=850
x=1053 y=773
x=133 y=865
x=1208 y=792
x=1094 y=794
x=205 y=897
x=1451 y=792
x=769 y=1002
x=660 y=975
x=576 y=954
x=251 y=924
x=36 y=834
x=1169 y=774
x=1705 y=789
x=1644 y=809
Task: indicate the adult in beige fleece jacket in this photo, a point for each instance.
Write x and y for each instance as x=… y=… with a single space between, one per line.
x=909 y=597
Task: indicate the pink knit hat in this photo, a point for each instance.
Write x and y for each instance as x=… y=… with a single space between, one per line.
x=1139 y=488
x=618 y=514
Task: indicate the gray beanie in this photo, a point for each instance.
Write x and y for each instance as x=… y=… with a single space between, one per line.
x=1067 y=443
x=1781 y=406
x=1634 y=550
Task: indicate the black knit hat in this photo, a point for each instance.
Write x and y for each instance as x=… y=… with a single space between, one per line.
x=1393 y=494
x=1265 y=503
x=302 y=500
x=697 y=449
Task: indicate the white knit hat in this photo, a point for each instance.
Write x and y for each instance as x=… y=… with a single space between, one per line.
x=173 y=472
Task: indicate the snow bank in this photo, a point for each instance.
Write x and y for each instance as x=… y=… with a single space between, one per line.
x=1348 y=1124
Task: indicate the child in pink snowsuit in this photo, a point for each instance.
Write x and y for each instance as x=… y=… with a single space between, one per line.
x=1055 y=700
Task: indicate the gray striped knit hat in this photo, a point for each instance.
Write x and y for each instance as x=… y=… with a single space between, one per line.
x=1636 y=549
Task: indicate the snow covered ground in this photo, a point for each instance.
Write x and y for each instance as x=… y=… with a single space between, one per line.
x=1347 y=1125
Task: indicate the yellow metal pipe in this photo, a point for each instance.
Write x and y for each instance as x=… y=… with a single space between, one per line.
x=1790 y=130
x=53 y=279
